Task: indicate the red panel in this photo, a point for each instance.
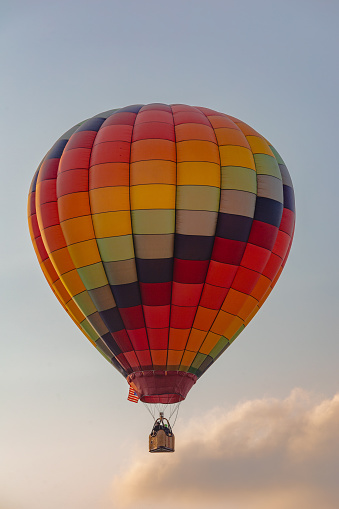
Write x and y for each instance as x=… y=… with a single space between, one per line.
x=144 y=358
x=182 y=317
x=72 y=181
x=122 y=340
x=221 y=274
x=132 y=317
x=54 y=238
x=281 y=244
x=190 y=271
x=49 y=169
x=77 y=158
x=47 y=191
x=158 y=338
x=213 y=296
x=255 y=257
x=195 y=117
x=272 y=266
x=154 y=130
x=157 y=316
x=111 y=152
x=132 y=359
x=263 y=234
x=154 y=115
x=123 y=361
x=228 y=251
x=287 y=221
x=138 y=338
x=186 y=294
x=155 y=294
x=245 y=280
x=49 y=214
x=114 y=133
x=41 y=249
x=35 y=226
x=122 y=118
x=162 y=386
x=31 y=203
x=82 y=139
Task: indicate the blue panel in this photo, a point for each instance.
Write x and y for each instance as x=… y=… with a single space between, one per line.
x=233 y=227
x=57 y=150
x=268 y=211
x=126 y=295
x=112 y=319
x=289 y=198
x=92 y=124
x=193 y=247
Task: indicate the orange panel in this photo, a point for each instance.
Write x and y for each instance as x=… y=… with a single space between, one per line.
x=107 y=199
x=59 y=287
x=204 y=318
x=159 y=357
x=221 y=121
x=252 y=315
x=178 y=338
x=234 y=301
x=195 y=339
x=209 y=343
x=73 y=283
x=261 y=287
x=49 y=271
x=226 y=324
x=174 y=358
x=246 y=129
x=78 y=315
x=155 y=171
x=53 y=238
x=84 y=253
x=78 y=229
x=62 y=260
x=73 y=205
x=184 y=132
x=109 y=174
x=195 y=150
x=247 y=308
x=187 y=359
x=228 y=136
x=153 y=149
x=264 y=297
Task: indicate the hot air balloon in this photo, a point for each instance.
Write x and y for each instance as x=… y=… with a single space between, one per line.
x=161 y=229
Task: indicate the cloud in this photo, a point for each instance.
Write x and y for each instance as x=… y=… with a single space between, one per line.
x=263 y=454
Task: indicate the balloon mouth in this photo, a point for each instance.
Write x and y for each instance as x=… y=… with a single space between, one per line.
x=162 y=386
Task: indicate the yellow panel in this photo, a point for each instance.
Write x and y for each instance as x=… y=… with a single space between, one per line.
x=84 y=253
x=198 y=173
x=153 y=196
x=196 y=150
x=112 y=224
x=259 y=145
x=229 y=136
x=195 y=339
x=107 y=199
x=236 y=156
x=77 y=229
x=73 y=283
x=155 y=171
x=209 y=343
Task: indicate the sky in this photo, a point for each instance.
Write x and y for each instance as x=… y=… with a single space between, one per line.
x=260 y=428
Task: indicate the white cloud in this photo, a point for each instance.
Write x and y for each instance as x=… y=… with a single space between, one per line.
x=263 y=454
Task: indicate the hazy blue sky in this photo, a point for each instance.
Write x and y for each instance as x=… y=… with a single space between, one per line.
x=68 y=436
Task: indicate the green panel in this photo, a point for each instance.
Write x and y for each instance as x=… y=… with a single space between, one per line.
x=219 y=346
x=198 y=198
x=93 y=276
x=113 y=249
x=237 y=334
x=266 y=165
x=277 y=155
x=199 y=358
x=154 y=221
x=85 y=303
x=237 y=177
x=104 y=350
x=87 y=327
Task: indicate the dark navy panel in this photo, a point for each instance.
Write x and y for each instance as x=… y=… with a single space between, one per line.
x=126 y=296
x=289 y=198
x=92 y=124
x=108 y=339
x=268 y=211
x=134 y=108
x=193 y=247
x=57 y=150
x=118 y=366
x=155 y=271
x=204 y=365
x=112 y=319
x=231 y=226
x=34 y=181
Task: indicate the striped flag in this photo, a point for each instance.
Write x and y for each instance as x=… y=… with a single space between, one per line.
x=132 y=395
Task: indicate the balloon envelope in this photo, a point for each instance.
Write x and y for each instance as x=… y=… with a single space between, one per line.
x=162 y=230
